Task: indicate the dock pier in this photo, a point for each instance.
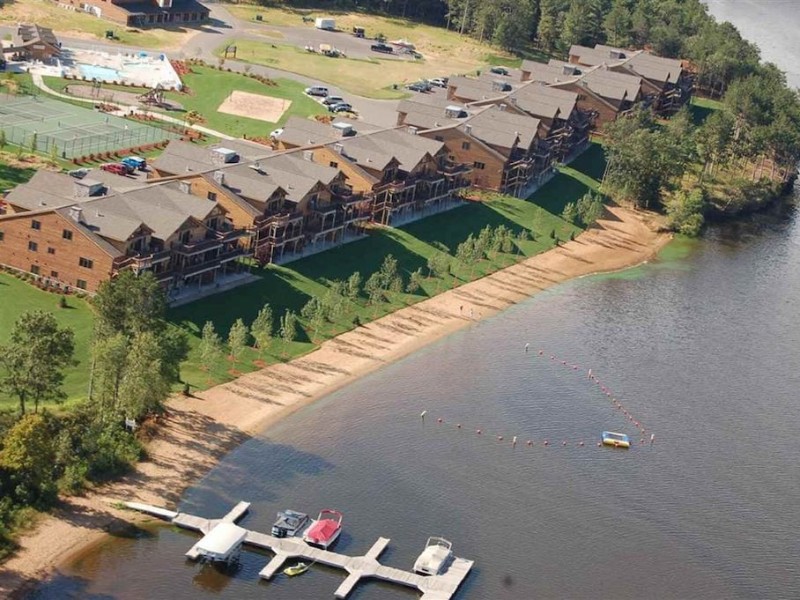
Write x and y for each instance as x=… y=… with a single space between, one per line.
x=433 y=587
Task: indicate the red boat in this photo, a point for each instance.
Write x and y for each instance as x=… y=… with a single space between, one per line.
x=326 y=529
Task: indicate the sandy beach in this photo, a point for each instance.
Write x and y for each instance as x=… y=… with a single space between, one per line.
x=201 y=429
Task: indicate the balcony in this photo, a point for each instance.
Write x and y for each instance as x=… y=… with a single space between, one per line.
x=142 y=261
x=210 y=265
x=454 y=169
x=278 y=219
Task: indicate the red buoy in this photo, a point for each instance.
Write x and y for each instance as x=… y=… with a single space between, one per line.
x=500 y=438
x=546 y=443
x=529 y=443
x=478 y=431
x=458 y=425
x=599 y=444
x=564 y=443
x=440 y=420
x=580 y=444
x=541 y=352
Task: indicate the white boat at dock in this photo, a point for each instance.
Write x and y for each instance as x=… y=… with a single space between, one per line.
x=326 y=529
x=222 y=544
x=435 y=558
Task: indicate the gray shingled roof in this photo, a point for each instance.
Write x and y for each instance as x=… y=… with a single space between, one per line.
x=425 y=116
x=47 y=189
x=252 y=184
x=613 y=85
x=540 y=100
x=649 y=66
x=289 y=171
x=502 y=128
x=104 y=245
x=367 y=152
x=407 y=148
x=163 y=208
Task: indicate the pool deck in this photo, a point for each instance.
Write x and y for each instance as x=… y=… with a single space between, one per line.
x=435 y=587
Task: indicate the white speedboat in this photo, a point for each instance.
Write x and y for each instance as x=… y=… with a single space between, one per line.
x=435 y=558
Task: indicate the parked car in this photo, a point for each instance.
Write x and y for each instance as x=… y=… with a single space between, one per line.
x=317 y=90
x=116 y=168
x=381 y=47
x=341 y=107
x=499 y=70
x=332 y=100
x=439 y=82
x=78 y=173
x=419 y=86
x=276 y=133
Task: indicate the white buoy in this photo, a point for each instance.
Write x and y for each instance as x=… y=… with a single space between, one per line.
x=652 y=437
x=422 y=415
x=514 y=442
x=527 y=346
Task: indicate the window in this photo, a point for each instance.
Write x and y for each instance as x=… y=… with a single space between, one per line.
x=51 y=250
x=66 y=234
x=35 y=269
x=35 y=224
x=213 y=223
x=1 y=236
x=334 y=164
x=465 y=145
x=479 y=165
x=186 y=237
x=33 y=246
x=85 y=263
x=54 y=274
x=212 y=196
x=80 y=284
x=438 y=138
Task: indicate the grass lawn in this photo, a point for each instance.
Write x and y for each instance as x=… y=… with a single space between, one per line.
x=12 y=174
x=79 y=24
x=292 y=285
x=209 y=87
x=20 y=296
x=701 y=108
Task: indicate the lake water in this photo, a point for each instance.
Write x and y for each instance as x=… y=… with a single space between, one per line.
x=702 y=347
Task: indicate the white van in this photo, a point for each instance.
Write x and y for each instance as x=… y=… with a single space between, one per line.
x=317 y=90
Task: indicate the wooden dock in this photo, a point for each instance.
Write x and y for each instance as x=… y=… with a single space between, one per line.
x=434 y=587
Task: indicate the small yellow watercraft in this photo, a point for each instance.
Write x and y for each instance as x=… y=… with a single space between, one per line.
x=297 y=569
x=618 y=440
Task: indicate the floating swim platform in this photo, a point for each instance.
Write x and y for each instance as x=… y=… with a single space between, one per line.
x=618 y=440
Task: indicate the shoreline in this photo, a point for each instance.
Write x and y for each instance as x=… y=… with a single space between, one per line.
x=200 y=430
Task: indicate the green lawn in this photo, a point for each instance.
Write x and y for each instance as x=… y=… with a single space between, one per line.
x=19 y=296
x=573 y=181
x=701 y=108
x=209 y=87
x=11 y=176
x=292 y=285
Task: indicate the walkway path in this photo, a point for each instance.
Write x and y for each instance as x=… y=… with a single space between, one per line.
x=126 y=110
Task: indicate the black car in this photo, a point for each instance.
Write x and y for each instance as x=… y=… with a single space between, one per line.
x=419 y=86
x=381 y=47
x=499 y=70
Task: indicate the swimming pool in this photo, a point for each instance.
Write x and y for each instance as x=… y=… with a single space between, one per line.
x=99 y=73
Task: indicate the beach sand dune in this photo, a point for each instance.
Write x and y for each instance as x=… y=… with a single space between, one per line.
x=199 y=431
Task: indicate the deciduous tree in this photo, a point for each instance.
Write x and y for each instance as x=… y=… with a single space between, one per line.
x=34 y=359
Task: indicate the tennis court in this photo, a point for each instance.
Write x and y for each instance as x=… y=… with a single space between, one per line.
x=73 y=130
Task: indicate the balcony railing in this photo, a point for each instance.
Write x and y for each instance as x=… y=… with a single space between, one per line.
x=141 y=261
x=210 y=265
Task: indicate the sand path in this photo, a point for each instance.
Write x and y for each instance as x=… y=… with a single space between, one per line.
x=199 y=431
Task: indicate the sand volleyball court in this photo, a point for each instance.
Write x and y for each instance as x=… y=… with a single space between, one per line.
x=254 y=106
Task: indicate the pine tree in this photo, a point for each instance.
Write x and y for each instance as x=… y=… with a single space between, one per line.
x=288 y=329
x=210 y=347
